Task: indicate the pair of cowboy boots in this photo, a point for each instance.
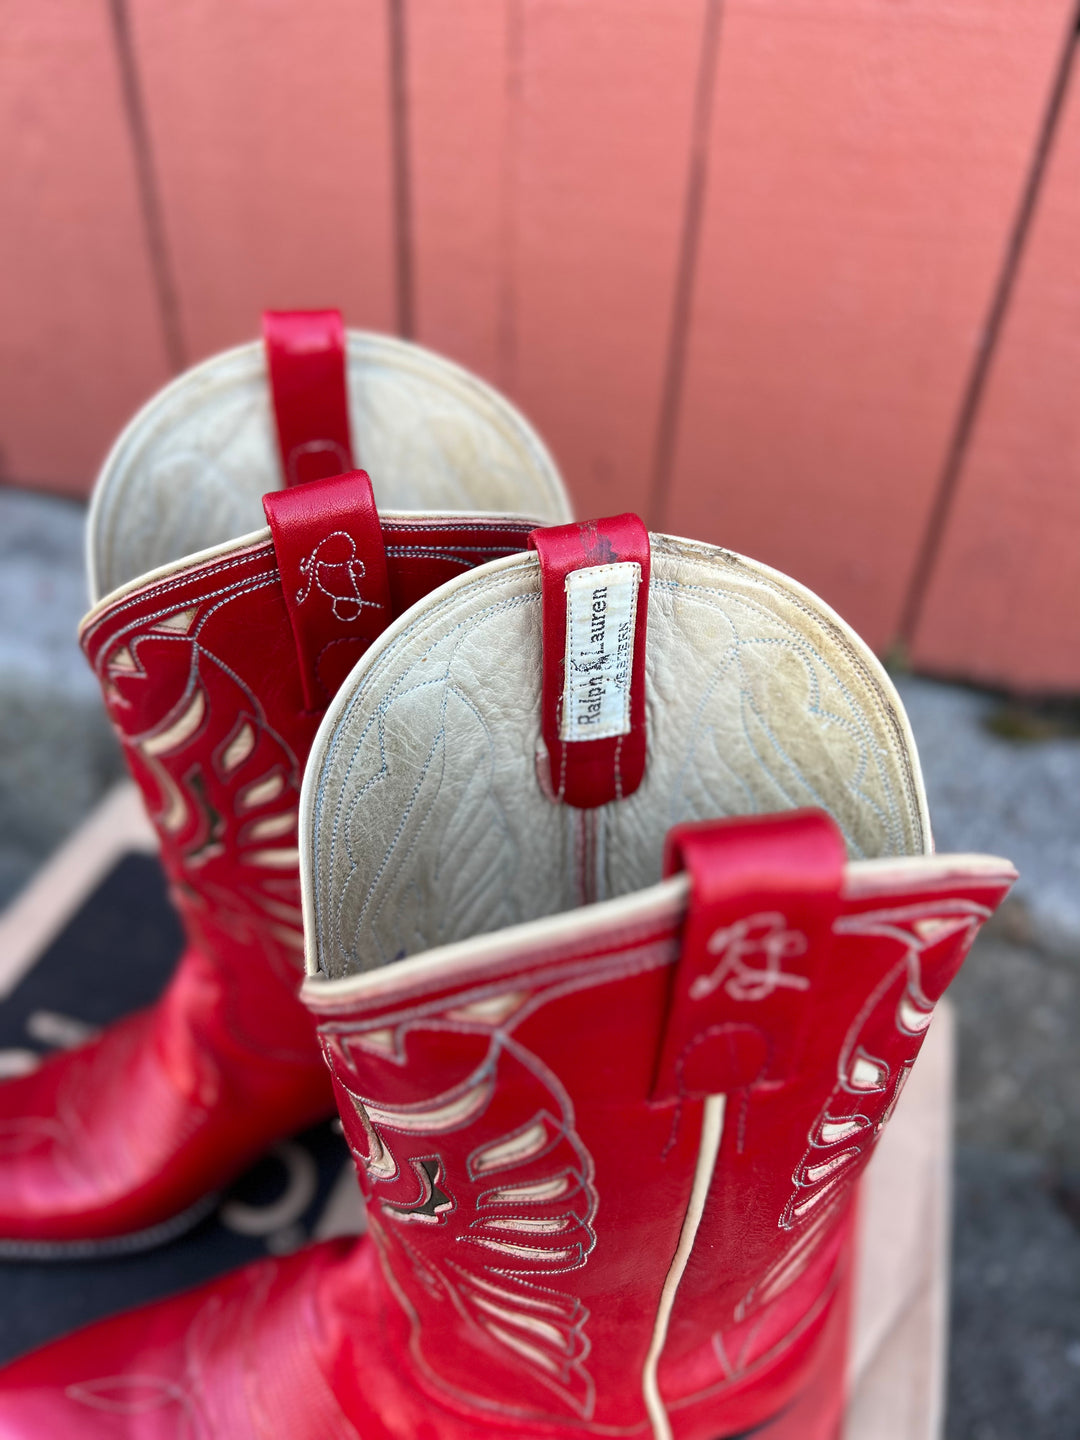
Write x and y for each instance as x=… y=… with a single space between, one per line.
x=194 y=635
x=607 y=1124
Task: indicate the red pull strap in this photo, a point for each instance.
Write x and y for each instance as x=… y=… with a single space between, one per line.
x=332 y=563
x=305 y=354
x=764 y=892
x=595 y=590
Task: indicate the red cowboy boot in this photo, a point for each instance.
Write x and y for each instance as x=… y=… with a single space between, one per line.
x=216 y=671
x=609 y=1150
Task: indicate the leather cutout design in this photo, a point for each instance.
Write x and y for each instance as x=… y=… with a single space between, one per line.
x=918 y=948
x=305 y=355
x=332 y=562
x=217 y=729
x=433 y=1203
x=199 y=804
x=506 y=1200
x=595 y=586
x=882 y=1044
x=587 y=1005
x=117 y=1142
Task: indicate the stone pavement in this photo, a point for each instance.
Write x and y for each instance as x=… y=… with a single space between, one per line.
x=1001 y=777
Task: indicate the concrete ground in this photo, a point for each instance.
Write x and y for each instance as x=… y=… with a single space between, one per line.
x=1006 y=778
x=1001 y=777
x=57 y=754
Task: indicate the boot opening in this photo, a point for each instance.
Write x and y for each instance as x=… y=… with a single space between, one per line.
x=429 y=810
x=190 y=470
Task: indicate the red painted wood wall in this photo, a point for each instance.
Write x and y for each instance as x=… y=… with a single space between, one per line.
x=801 y=277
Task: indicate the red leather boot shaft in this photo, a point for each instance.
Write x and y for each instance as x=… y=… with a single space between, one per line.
x=573 y=1242
x=535 y=1210
x=202 y=682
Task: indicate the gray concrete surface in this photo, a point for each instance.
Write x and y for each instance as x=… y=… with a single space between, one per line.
x=1014 y=1364
x=1005 y=778
x=1019 y=797
x=1015 y=1360
x=57 y=754
x=1014 y=1371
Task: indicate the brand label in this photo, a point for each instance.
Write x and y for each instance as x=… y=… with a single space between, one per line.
x=601 y=612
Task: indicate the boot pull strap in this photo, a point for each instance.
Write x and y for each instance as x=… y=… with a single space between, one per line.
x=305 y=356
x=332 y=563
x=764 y=892
x=595 y=591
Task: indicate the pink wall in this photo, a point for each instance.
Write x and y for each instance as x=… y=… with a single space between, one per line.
x=81 y=341
x=789 y=275
x=1003 y=602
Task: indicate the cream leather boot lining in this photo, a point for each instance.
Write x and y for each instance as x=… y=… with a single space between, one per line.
x=425 y=822
x=190 y=470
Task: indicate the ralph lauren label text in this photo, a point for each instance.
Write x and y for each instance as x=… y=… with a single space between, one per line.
x=601 y=612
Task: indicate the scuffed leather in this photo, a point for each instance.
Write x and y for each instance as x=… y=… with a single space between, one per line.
x=114 y=1140
x=190 y=470
x=758 y=698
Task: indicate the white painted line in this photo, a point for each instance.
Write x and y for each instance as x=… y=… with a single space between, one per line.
x=60 y=1032
x=18 y=1062
x=343 y=1213
x=41 y=910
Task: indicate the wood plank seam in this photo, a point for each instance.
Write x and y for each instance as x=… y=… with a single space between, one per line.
x=686 y=275
x=928 y=553
x=507 y=318
x=148 y=188
x=402 y=170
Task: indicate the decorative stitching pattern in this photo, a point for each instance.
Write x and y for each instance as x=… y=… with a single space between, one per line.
x=337 y=572
x=764 y=937
x=226 y=1337
x=250 y=767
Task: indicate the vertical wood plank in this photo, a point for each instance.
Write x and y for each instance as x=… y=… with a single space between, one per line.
x=270 y=125
x=549 y=160
x=866 y=161
x=81 y=342
x=459 y=68
x=604 y=138
x=1003 y=604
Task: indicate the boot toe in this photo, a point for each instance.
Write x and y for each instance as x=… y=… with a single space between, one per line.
x=231 y=1358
